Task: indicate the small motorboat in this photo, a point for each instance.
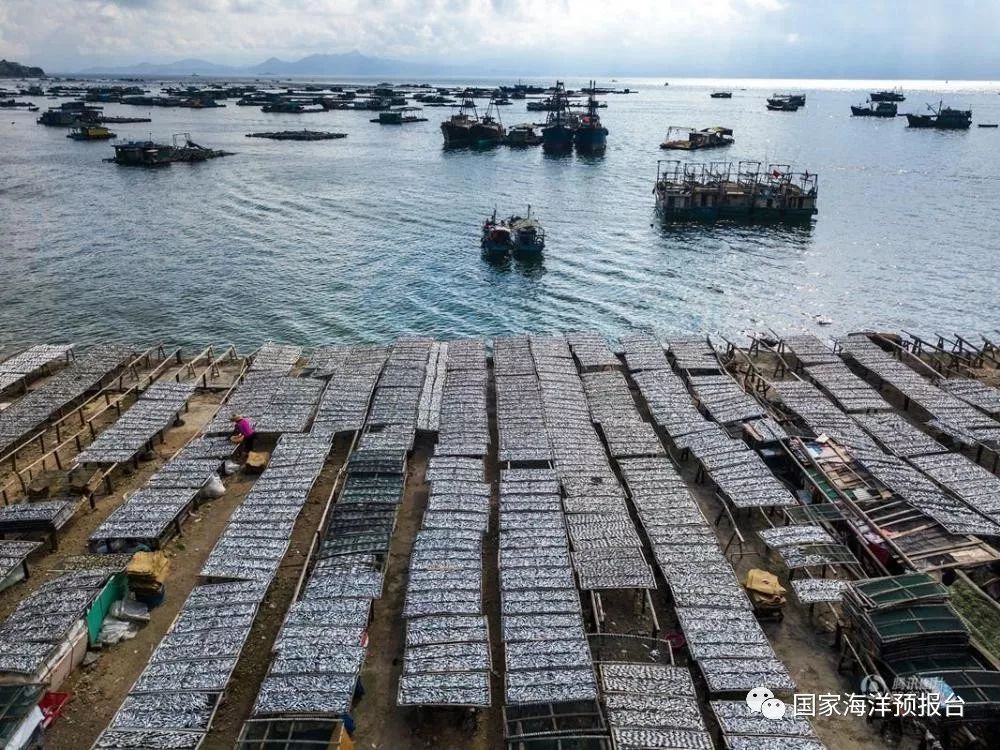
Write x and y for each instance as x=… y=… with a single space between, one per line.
x=874 y=109
x=696 y=139
x=528 y=235
x=988 y=125
x=895 y=95
x=721 y=95
x=782 y=104
x=496 y=236
x=91 y=133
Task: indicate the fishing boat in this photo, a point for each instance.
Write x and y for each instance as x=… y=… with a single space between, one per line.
x=895 y=95
x=523 y=135
x=399 y=116
x=557 y=135
x=590 y=135
x=782 y=104
x=741 y=191
x=942 y=118
x=716 y=137
x=721 y=95
x=457 y=129
x=496 y=236
x=90 y=133
x=489 y=131
x=528 y=236
x=874 y=109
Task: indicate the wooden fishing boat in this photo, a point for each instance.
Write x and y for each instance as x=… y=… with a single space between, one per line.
x=782 y=104
x=523 y=135
x=716 y=137
x=895 y=95
x=496 y=236
x=528 y=236
x=489 y=131
x=457 y=129
x=874 y=109
x=942 y=118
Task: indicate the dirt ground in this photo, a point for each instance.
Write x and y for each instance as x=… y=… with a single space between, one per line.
x=381 y=724
x=253 y=662
x=98 y=690
x=804 y=644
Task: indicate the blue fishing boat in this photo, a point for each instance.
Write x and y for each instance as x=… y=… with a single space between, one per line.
x=528 y=236
x=590 y=135
x=557 y=135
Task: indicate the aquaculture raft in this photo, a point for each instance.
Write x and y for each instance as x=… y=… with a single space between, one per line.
x=152 y=154
x=298 y=135
x=734 y=190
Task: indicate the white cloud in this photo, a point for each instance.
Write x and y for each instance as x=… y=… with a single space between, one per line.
x=670 y=37
x=244 y=30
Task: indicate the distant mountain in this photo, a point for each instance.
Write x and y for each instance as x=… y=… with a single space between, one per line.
x=10 y=69
x=180 y=68
x=349 y=63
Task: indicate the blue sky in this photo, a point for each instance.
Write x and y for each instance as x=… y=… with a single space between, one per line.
x=788 y=38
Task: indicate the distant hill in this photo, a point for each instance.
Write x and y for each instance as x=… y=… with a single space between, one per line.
x=349 y=63
x=10 y=69
x=191 y=66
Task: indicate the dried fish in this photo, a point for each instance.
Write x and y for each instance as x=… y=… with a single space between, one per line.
x=735 y=717
x=447 y=689
x=816 y=590
x=627 y=737
x=646 y=679
x=326 y=695
x=134 y=739
x=732 y=675
x=178 y=711
x=550 y=686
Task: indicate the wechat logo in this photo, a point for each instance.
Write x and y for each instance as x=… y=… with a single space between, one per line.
x=762 y=701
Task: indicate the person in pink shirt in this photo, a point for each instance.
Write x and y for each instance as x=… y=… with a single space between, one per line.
x=244 y=428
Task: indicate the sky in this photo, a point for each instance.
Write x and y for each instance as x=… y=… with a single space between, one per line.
x=904 y=39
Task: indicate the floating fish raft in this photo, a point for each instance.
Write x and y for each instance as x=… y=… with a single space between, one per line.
x=734 y=190
x=298 y=135
x=152 y=154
